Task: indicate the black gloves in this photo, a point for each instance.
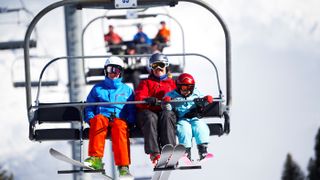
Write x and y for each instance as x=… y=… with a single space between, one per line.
x=151 y=101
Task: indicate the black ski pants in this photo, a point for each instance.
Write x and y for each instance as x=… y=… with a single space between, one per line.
x=158 y=129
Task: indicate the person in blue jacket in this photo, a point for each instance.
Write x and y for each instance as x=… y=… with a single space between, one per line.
x=189 y=125
x=142 y=41
x=118 y=117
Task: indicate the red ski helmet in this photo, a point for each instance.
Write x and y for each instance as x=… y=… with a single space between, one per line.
x=185 y=81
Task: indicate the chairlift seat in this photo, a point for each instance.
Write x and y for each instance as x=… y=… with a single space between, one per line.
x=72 y=114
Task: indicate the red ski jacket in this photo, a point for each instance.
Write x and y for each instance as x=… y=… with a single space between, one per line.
x=152 y=87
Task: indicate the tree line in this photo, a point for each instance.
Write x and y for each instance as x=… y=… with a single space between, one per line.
x=292 y=170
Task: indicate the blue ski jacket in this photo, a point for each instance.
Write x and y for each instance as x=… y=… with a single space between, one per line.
x=182 y=108
x=141 y=35
x=111 y=91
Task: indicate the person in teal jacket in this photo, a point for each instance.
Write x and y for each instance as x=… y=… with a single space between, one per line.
x=189 y=125
x=117 y=117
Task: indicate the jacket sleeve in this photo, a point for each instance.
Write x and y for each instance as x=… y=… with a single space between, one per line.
x=90 y=110
x=142 y=92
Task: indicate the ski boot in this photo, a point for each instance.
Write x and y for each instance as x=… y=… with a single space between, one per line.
x=94 y=162
x=202 y=149
x=124 y=170
x=154 y=157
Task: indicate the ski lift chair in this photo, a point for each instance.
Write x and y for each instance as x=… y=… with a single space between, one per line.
x=17 y=79
x=135 y=69
x=73 y=113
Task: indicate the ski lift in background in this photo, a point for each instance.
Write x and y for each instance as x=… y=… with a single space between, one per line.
x=135 y=67
x=16 y=44
x=51 y=78
x=17 y=76
x=41 y=113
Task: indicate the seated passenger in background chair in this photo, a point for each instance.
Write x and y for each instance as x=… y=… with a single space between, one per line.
x=163 y=35
x=113 y=41
x=117 y=117
x=188 y=123
x=142 y=41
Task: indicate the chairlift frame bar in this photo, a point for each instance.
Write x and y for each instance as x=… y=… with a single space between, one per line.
x=137 y=55
x=109 y=4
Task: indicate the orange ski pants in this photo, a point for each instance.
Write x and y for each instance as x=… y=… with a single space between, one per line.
x=119 y=136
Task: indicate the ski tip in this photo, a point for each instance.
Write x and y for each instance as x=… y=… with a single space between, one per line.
x=51 y=150
x=209 y=155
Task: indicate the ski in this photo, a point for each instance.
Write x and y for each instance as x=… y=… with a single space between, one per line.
x=178 y=152
x=188 y=162
x=208 y=156
x=60 y=156
x=166 y=152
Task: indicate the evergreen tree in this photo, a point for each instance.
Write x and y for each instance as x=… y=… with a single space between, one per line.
x=291 y=170
x=4 y=175
x=314 y=164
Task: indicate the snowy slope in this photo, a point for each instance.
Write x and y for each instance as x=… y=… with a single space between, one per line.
x=275 y=92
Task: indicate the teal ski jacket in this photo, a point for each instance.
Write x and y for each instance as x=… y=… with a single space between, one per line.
x=182 y=108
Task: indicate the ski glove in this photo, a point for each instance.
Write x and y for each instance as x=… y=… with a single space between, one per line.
x=166 y=99
x=208 y=98
x=165 y=105
x=151 y=101
x=203 y=101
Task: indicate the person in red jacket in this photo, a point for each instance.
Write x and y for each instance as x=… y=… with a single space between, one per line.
x=158 y=127
x=113 y=41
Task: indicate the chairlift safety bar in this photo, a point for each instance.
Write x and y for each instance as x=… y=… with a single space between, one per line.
x=84 y=104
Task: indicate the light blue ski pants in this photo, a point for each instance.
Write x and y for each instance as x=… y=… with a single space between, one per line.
x=188 y=128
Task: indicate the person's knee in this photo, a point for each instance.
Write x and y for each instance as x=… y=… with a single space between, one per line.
x=99 y=119
x=119 y=123
x=168 y=116
x=148 y=118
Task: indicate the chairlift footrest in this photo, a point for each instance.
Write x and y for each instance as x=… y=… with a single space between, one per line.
x=83 y=171
x=178 y=168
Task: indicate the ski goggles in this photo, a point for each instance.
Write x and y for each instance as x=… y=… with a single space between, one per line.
x=159 y=64
x=113 y=69
x=185 y=87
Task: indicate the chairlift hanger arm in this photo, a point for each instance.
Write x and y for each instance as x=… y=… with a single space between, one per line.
x=109 y=4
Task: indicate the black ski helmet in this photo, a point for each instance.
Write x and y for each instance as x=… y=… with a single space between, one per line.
x=158 y=57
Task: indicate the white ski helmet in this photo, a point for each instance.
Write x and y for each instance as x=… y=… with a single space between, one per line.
x=114 y=60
